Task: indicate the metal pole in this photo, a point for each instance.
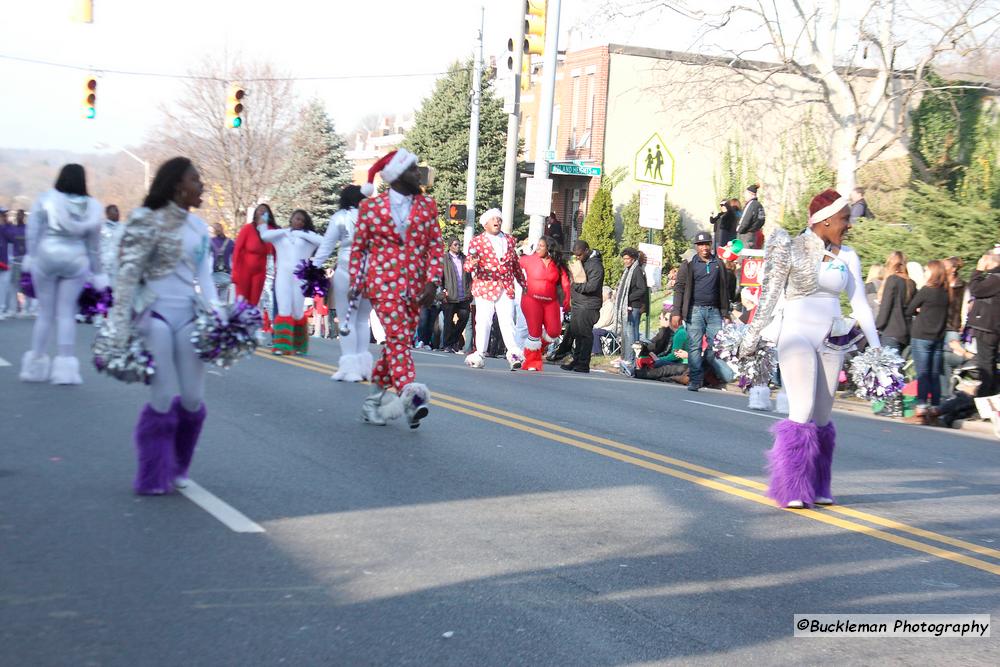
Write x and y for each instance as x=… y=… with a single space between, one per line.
x=144 y=163
x=513 y=125
x=649 y=313
x=470 y=179
x=544 y=140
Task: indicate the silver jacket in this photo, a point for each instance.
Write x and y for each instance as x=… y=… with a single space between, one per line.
x=790 y=269
x=150 y=247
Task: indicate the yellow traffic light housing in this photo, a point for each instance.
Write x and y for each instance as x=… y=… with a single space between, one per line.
x=90 y=97
x=234 y=106
x=534 y=26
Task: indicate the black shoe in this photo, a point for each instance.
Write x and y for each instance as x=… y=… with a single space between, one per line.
x=581 y=369
x=568 y=367
x=694 y=387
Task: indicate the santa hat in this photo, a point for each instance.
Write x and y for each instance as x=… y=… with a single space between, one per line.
x=392 y=165
x=825 y=205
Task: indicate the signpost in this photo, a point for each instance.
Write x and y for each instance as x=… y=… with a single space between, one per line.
x=538 y=196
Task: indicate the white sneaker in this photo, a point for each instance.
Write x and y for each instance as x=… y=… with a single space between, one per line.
x=66 y=370
x=475 y=360
x=823 y=500
x=514 y=361
x=182 y=482
x=795 y=504
x=35 y=368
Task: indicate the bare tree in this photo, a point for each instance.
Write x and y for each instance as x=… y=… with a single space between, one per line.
x=238 y=165
x=867 y=82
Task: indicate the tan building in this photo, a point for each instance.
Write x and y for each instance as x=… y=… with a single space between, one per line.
x=666 y=118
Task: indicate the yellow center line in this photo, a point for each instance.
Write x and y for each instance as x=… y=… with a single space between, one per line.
x=528 y=425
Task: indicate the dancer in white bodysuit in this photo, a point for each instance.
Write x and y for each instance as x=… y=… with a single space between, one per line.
x=164 y=267
x=811 y=271
x=356 y=360
x=292 y=244
x=63 y=253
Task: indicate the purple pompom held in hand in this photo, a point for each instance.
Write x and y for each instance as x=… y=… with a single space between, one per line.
x=877 y=373
x=26 y=286
x=224 y=341
x=94 y=303
x=315 y=284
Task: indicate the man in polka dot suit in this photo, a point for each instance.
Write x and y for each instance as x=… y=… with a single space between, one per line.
x=396 y=262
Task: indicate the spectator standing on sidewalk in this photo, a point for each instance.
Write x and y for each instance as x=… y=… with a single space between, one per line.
x=893 y=296
x=752 y=220
x=859 y=207
x=984 y=319
x=701 y=300
x=222 y=262
x=929 y=310
x=632 y=301
x=956 y=315
x=585 y=304
x=457 y=297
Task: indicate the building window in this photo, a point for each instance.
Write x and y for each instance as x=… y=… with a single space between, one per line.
x=574 y=116
x=591 y=93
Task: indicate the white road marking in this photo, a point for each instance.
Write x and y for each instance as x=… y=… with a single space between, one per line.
x=224 y=512
x=4 y=362
x=746 y=412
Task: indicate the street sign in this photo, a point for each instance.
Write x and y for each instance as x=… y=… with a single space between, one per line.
x=652 y=199
x=654 y=163
x=574 y=170
x=550 y=156
x=654 y=264
x=538 y=196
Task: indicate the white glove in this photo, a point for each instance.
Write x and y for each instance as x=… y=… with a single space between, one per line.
x=99 y=281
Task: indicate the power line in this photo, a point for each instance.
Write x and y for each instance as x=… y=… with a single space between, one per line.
x=194 y=77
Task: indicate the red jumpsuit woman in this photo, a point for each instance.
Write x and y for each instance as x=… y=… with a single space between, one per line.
x=544 y=271
x=250 y=257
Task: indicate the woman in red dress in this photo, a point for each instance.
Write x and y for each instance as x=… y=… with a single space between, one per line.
x=250 y=256
x=544 y=271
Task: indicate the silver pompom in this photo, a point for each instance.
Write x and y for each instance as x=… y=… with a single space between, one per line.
x=877 y=373
x=225 y=338
x=125 y=357
x=756 y=369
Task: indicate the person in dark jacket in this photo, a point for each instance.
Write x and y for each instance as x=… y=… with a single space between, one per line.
x=701 y=300
x=631 y=302
x=724 y=222
x=953 y=331
x=752 y=220
x=457 y=297
x=984 y=319
x=585 y=302
x=893 y=296
x=554 y=229
x=929 y=310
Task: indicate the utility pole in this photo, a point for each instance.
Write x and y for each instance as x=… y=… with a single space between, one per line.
x=470 y=179
x=513 y=126
x=544 y=140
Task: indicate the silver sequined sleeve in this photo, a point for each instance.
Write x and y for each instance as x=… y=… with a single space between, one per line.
x=777 y=264
x=137 y=244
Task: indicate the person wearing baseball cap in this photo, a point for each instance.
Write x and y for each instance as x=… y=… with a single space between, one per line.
x=702 y=296
x=752 y=219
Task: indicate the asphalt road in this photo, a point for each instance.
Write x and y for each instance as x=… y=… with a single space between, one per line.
x=552 y=519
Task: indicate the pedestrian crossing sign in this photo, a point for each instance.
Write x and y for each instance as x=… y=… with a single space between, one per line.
x=654 y=163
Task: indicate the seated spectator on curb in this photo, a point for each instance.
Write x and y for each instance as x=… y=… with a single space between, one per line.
x=607 y=321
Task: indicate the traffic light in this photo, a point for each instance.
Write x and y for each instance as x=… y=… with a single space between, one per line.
x=90 y=97
x=534 y=26
x=234 y=106
x=457 y=212
x=83 y=11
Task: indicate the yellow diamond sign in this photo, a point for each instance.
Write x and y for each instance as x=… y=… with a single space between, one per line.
x=654 y=163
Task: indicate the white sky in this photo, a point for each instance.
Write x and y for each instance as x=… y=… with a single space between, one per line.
x=40 y=106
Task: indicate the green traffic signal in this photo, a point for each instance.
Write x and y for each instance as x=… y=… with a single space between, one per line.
x=237 y=121
x=91 y=112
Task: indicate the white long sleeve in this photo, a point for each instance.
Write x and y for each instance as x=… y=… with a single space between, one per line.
x=335 y=234
x=860 y=310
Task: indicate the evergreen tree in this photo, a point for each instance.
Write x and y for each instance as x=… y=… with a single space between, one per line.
x=599 y=232
x=981 y=180
x=671 y=237
x=440 y=135
x=317 y=168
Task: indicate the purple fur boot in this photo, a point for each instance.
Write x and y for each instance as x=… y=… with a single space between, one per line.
x=792 y=462
x=824 y=464
x=188 y=430
x=154 y=443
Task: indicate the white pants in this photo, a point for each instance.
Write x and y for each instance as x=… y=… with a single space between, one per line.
x=355 y=342
x=57 y=299
x=167 y=329
x=288 y=293
x=810 y=371
x=504 y=308
x=5 y=292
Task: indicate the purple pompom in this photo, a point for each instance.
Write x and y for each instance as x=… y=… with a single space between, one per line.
x=27 y=287
x=315 y=284
x=94 y=302
x=223 y=342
